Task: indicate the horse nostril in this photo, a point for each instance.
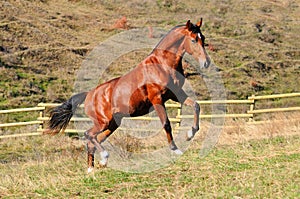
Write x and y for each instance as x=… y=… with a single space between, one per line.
x=206 y=64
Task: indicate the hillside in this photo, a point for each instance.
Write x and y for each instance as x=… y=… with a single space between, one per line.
x=255 y=44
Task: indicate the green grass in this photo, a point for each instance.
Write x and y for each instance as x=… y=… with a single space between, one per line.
x=56 y=168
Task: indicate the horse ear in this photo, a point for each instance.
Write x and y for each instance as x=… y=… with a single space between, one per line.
x=199 y=23
x=189 y=25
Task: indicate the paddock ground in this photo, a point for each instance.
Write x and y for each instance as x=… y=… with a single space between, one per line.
x=258 y=162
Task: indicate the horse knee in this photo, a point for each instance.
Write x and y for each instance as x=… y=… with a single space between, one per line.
x=196 y=107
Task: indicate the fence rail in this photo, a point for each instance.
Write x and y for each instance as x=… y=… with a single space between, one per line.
x=22 y=110
x=249 y=114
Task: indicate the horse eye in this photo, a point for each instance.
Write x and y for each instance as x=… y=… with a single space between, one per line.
x=193 y=40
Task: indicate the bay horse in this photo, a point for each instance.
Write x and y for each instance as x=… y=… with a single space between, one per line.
x=158 y=78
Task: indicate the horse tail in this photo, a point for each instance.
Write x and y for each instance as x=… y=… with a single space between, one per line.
x=60 y=116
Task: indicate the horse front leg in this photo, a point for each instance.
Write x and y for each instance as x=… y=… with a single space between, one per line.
x=189 y=102
x=161 y=112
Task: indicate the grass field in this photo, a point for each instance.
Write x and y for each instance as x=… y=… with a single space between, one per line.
x=255 y=44
x=248 y=167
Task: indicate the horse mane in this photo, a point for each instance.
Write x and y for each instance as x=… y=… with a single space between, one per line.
x=165 y=36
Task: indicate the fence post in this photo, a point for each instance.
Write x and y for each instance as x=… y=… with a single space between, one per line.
x=41 y=115
x=252 y=106
x=179 y=111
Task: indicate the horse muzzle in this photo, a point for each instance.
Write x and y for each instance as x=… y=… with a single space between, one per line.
x=204 y=63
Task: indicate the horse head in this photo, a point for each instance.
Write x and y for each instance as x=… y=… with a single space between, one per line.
x=194 y=43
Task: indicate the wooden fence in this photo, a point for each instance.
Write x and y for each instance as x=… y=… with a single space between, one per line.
x=250 y=113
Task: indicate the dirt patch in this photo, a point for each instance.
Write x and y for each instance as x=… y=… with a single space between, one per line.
x=247 y=41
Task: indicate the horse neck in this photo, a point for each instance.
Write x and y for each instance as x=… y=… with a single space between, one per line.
x=171 y=49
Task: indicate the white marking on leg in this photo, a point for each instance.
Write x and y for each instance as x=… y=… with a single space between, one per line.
x=104 y=157
x=190 y=134
x=90 y=169
x=178 y=152
x=104 y=154
x=103 y=162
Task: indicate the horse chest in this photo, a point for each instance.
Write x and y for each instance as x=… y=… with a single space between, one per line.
x=176 y=79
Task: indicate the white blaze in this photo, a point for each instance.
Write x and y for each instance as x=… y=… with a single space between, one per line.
x=199 y=35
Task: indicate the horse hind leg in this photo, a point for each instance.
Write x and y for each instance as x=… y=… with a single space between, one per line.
x=95 y=138
x=90 y=155
x=92 y=146
x=101 y=137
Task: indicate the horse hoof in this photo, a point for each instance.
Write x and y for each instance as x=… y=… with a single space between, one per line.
x=103 y=162
x=190 y=135
x=104 y=157
x=104 y=154
x=178 y=152
x=90 y=170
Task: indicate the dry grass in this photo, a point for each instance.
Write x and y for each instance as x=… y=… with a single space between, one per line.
x=248 y=161
x=282 y=124
x=43 y=43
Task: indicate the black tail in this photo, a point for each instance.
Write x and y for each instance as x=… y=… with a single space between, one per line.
x=61 y=115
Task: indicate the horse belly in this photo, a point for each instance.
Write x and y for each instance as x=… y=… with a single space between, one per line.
x=141 y=108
